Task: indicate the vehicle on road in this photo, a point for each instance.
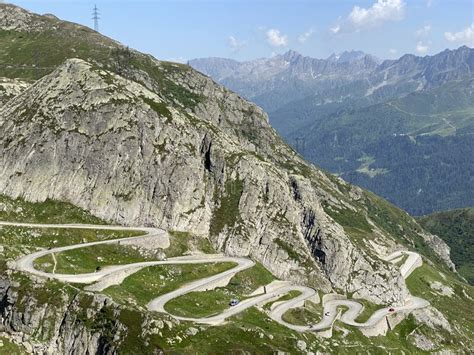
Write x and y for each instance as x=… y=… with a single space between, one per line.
x=391 y=309
x=233 y=302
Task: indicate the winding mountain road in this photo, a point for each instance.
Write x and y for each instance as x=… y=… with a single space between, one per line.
x=119 y=272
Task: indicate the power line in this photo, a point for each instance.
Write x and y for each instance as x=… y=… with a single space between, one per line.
x=26 y=67
x=37 y=65
x=96 y=18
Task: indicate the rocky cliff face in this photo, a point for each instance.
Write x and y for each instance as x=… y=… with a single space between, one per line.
x=74 y=323
x=143 y=142
x=62 y=331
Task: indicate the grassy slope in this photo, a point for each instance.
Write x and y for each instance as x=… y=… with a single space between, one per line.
x=456 y=228
x=141 y=287
x=8 y=347
x=457 y=308
x=202 y=304
x=44 y=212
x=85 y=260
x=311 y=313
x=47 y=237
x=62 y=40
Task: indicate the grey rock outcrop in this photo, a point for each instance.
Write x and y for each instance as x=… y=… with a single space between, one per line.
x=49 y=328
x=9 y=88
x=440 y=248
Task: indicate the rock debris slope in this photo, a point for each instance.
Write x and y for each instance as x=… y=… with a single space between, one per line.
x=158 y=144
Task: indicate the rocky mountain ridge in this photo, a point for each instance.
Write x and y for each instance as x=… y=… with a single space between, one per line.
x=276 y=81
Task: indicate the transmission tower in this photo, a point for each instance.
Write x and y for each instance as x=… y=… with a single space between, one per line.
x=95 y=17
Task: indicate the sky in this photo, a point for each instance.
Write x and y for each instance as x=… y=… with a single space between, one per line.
x=180 y=30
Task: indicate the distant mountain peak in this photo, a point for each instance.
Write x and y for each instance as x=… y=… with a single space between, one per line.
x=348 y=56
x=291 y=55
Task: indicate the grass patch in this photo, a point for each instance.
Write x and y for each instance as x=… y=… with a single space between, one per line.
x=248 y=332
x=227 y=214
x=57 y=237
x=456 y=228
x=457 y=309
x=249 y=280
x=8 y=347
x=202 y=304
x=182 y=242
x=148 y=283
x=290 y=295
x=159 y=107
x=395 y=341
x=367 y=311
x=27 y=289
x=354 y=223
x=179 y=243
x=85 y=260
x=53 y=212
x=311 y=313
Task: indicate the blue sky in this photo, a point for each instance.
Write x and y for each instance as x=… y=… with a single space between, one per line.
x=246 y=29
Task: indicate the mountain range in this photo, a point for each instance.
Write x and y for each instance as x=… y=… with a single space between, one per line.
x=372 y=122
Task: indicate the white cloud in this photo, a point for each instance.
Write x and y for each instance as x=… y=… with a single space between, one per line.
x=335 y=29
x=235 y=44
x=361 y=18
x=465 y=36
x=429 y=3
x=422 y=48
x=302 y=38
x=276 y=39
x=392 y=51
x=423 y=31
x=381 y=11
